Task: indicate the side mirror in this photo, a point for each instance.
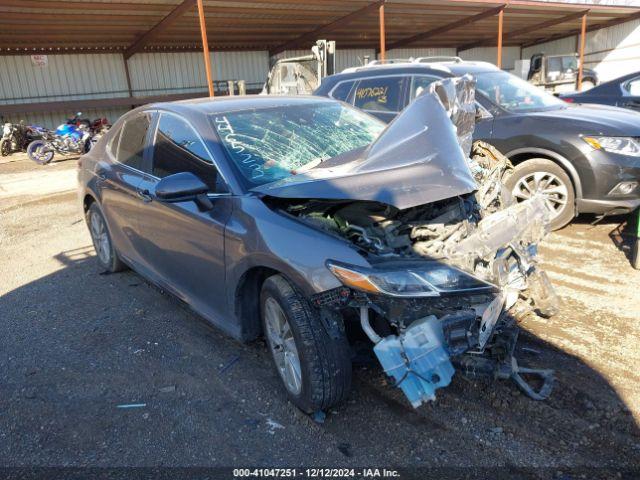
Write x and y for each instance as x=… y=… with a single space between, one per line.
x=184 y=187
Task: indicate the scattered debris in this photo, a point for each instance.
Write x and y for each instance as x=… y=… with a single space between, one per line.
x=168 y=389
x=319 y=416
x=229 y=364
x=531 y=351
x=132 y=405
x=272 y=426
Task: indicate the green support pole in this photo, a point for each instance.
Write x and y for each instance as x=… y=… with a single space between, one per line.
x=635 y=249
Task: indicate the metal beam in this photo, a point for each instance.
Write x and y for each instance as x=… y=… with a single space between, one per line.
x=314 y=34
x=205 y=48
x=445 y=28
x=383 y=35
x=591 y=28
x=176 y=13
x=583 y=39
x=523 y=31
x=500 y=28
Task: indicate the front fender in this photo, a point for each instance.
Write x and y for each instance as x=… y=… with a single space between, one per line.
x=257 y=236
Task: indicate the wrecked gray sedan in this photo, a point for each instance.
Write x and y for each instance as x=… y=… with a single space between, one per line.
x=313 y=224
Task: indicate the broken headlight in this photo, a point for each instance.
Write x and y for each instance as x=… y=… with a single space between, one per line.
x=621 y=145
x=429 y=279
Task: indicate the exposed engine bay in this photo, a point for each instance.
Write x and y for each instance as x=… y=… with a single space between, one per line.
x=485 y=234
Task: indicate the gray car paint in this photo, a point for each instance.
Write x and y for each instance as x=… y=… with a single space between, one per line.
x=205 y=257
x=416 y=160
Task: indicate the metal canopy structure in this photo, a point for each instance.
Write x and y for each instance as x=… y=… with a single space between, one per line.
x=130 y=27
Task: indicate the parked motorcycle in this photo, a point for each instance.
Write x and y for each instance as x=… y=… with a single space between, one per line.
x=16 y=137
x=76 y=136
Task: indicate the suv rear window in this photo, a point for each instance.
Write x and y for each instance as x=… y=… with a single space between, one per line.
x=380 y=94
x=342 y=91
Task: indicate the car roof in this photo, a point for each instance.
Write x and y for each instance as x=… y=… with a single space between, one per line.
x=207 y=105
x=452 y=68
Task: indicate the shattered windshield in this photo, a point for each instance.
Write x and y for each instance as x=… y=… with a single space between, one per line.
x=273 y=143
x=514 y=94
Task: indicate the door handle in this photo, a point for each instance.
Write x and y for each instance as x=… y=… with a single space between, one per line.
x=145 y=195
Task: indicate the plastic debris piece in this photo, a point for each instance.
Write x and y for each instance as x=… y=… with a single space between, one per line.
x=319 y=416
x=132 y=405
x=417 y=360
x=168 y=389
x=272 y=426
x=227 y=366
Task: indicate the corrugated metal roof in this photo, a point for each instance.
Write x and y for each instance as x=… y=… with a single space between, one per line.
x=264 y=25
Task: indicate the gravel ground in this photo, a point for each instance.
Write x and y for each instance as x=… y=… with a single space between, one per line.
x=75 y=345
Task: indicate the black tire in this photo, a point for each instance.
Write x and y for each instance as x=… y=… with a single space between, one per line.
x=530 y=167
x=5 y=147
x=323 y=350
x=108 y=260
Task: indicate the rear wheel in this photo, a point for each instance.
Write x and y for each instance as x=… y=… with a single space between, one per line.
x=108 y=258
x=312 y=360
x=540 y=175
x=39 y=152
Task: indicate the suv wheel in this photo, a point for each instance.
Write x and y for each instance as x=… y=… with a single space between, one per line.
x=313 y=363
x=108 y=259
x=544 y=176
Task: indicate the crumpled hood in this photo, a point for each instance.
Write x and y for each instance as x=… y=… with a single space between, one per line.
x=591 y=119
x=416 y=160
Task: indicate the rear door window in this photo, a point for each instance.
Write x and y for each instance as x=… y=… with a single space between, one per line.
x=112 y=146
x=343 y=91
x=380 y=94
x=178 y=148
x=420 y=84
x=133 y=141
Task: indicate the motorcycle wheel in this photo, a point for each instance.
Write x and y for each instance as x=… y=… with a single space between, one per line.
x=5 y=147
x=39 y=152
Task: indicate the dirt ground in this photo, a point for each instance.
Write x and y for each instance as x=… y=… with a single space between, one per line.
x=76 y=345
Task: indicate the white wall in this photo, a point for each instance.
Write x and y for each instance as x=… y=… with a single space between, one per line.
x=165 y=73
x=94 y=76
x=490 y=54
x=421 y=52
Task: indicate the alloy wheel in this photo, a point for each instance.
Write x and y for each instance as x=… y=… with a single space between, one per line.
x=100 y=238
x=554 y=190
x=283 y=346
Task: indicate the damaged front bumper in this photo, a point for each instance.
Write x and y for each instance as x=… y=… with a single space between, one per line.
x=470 y=327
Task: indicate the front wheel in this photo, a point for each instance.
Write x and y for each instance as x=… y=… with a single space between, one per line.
x=312 y=357
x=540 y=175
x=5 y=147
x=40 y=152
